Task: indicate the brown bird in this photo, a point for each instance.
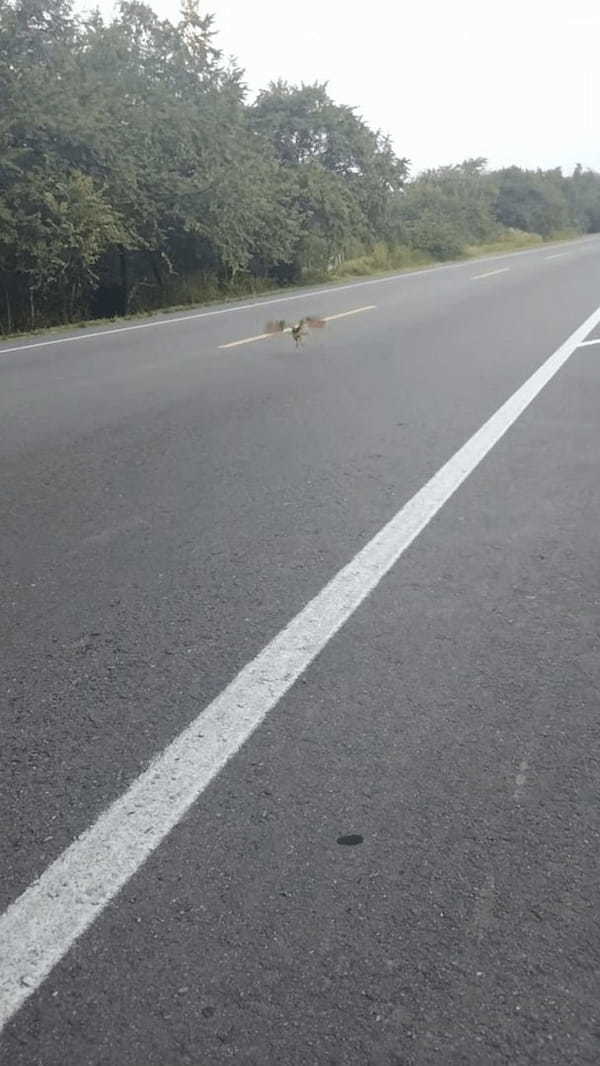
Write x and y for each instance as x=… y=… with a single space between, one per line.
x=298 y=330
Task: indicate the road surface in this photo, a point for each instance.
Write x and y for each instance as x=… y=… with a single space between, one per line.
x=258 y=602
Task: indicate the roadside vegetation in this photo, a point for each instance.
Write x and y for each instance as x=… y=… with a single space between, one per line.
x=135 y=174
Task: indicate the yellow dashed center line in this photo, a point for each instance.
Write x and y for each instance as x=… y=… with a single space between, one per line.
x=327 y=318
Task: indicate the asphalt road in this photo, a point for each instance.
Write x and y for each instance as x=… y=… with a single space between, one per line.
x=168 y=507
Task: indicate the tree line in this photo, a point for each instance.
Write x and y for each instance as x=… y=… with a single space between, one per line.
x=134 y=173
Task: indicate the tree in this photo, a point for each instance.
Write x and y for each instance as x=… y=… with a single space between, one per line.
x=444 y=210
x=59 y=227
x=129 y=159
x=584 y=199
x=56 y=222
x=532 y=200
x=305 y=127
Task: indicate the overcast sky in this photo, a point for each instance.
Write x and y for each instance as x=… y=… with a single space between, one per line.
x=516 y=81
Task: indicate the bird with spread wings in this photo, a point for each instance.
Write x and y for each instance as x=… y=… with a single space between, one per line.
x=299 y=330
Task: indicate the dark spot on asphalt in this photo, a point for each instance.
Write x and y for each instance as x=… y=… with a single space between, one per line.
x=350 y=839
x=208 y=1012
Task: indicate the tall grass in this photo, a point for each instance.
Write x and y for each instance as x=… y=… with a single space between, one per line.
x=384 y=258
x=381 y=259
x=180 y=293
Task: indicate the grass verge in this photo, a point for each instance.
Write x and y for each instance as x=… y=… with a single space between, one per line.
x=379 y=262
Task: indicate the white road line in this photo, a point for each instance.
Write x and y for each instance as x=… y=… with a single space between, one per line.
x=584 y=344
x=176 y=320
x=266 y=336
x=249 y=340
x=489 y=274
x=556 y=255
x=355 y=311
x=520 y=780
x=40 y=926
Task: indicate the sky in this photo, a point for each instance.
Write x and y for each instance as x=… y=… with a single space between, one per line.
x=516 y=81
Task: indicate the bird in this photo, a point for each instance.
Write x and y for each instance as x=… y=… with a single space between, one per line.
x=298 y=330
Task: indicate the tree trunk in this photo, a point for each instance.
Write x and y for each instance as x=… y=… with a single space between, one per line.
x=154 y=264
x=124 y=280
x=8 y=310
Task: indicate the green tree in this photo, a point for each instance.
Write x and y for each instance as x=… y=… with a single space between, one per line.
x=60 y=225
x=305 y=126
x=130 y=159
x=584 y=199
x=194 y=181
x=444 y=210
x=56 y=223
x=532 y=200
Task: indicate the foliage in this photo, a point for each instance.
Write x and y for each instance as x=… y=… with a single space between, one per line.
x=446 y=209
x=133 y=173
x=584 y=199
x=533 y=200
x=305 y=127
